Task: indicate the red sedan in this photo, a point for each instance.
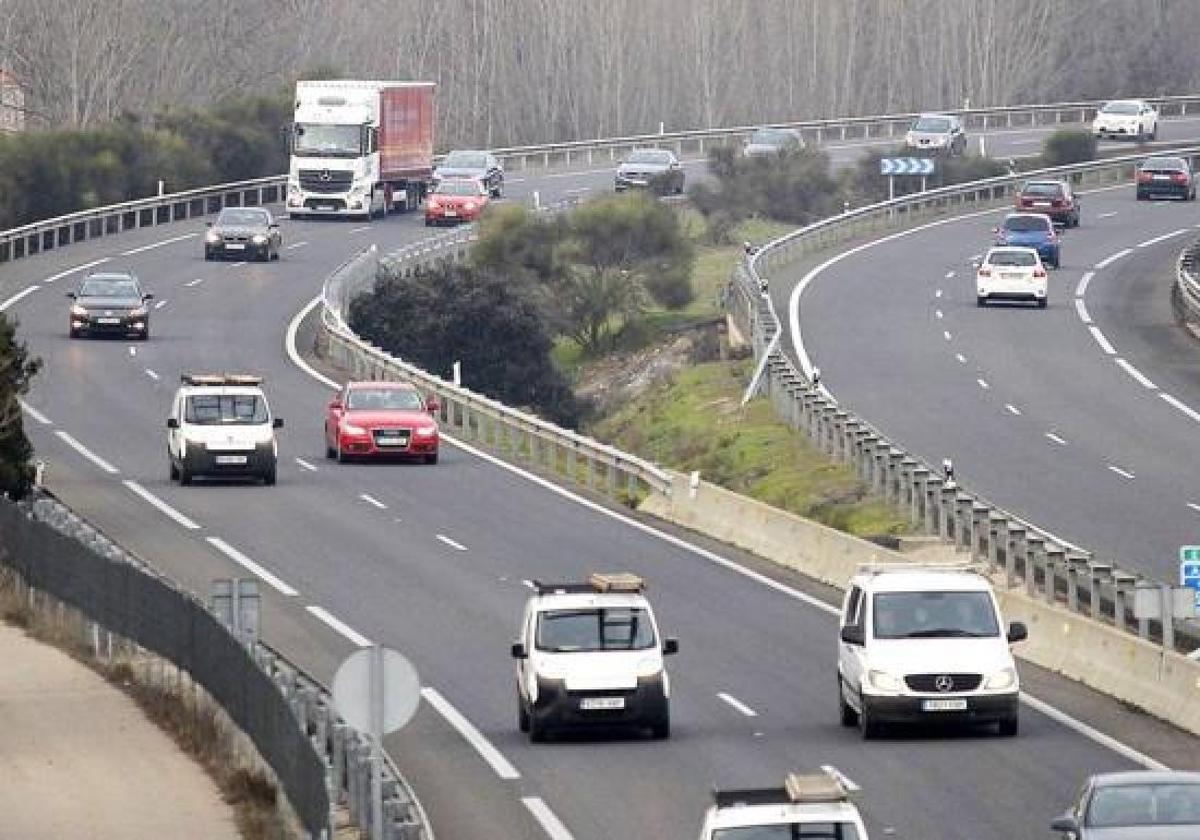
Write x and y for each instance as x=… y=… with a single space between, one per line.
x=456 y=200
x=379 y=420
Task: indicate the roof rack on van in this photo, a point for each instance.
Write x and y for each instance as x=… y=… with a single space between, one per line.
x=884 y=568
x=603 y=582
x=217 y=379
x=823 y=786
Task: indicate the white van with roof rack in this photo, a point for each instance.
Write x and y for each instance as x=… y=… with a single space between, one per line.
x=590 y=653
x=924 y=643
x=221 y=425
x=808 y=805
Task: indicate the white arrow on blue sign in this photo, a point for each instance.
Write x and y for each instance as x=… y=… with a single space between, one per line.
x=906 y=166
x=1189 y=569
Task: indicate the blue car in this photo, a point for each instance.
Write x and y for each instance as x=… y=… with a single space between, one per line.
x=1031 y=230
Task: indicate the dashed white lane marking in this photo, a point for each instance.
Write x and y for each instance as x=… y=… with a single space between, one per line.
x=294 y=245
x=162 y=506
x=848 y=783
x=946 y=335
x=1179 y=404
x=250 y=566
x=1081 y=289
x=34 y=413
x=1109 y=260
x=71 y=271
x=154 y=245
x=18 y=296
x=1120 y=472
x=1102 y=341
x=87 y=453
x=132 y=351
x=495 y=759
x=152 y=374
x=160 y=304
x=1081 y=310
x=962 y=360
x=1056 y=438
x=1013 y=410
x=983 y=384
x=371 y=500
x=359 y=229
x=549 y=822
x=938 y=314
x=1194 y=506
x=195 y=282
x=305 y=465
x=1106 y=215
x=736 y=704
x=238 y=264
x=938 y=293
x=451 y=543
x=1136 y=374
x=949 y=275
x=340 y=626
x=1162 y=238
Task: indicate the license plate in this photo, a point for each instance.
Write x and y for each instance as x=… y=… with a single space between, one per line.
x=1041 y=204
x=954 y=705
x=234 y=246
x=450 y=213
x=592 y=704
x=391 y=440
x=1011 y=275
x=108 y=320
x=326 y=206
x=1162 y=177
x=231 y=459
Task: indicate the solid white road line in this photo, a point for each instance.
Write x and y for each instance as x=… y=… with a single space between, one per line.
x=71 y=271
x=195 y=282
x=34 y=413
x=289 y=345
x=1060 y=441
x=151 y=374
x=1081 y=289
x=162 y=506
x=371 y=500
x=1096 y=735
x=451 y=543
x=1102 y=341
x=151 y=247
x=1120 y=472
x=1136 y=374
x=848 y=783
x=550 y=823
x=495 y=759
x=132 y=351
x=983 y=384
x=359 y=229
x=160 y=304
x=949 y=275
x=1012 y=409
x=252 y=567
x=946 y=335
x=87 y=453
x=962 y=360
x=1162 y=238
x=1179 y=404
x=938 y=314
x=305 y=465
x=1109 y=260
x=737 y=704
x=938 y=293
x=340 y=626
x=1081 y=311
x=294 y=245
x=18 y=296
x=1106 y=215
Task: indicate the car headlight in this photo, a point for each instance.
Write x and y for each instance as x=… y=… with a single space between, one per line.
x=212 y=237
x=552 y=669
x=293 y=187
x=649 y=667
x=426 y=432
x=78 y=311
x=1005 y=678
x=883 y=681
x=259 y=239
x=139 y=312
x=351 y=429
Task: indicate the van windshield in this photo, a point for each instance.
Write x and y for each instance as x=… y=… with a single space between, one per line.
x=225 y=410
x=916 y=615
x=594 y=629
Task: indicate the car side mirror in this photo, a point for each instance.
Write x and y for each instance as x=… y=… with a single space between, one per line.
x=148 y=296
x=1065 y=823
x=518 y=651
x=71 y=295
x=208 y=224
x=274 y=225
x=172 y=423
x=670 y=647
x=1018 y=632
x=277 y=423
x=432 y=405
x=335 y=405
x=854 y=635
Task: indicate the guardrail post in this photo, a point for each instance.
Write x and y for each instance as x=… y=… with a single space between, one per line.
x=1055 y=558
x=631 y=487
x=880 y=465
x=1035 y=559
x=610 y=473
x=1076 y=563
x=1123 y=582
x=964 y=526
x=919 y=512
x=1144 y=623
x=903 y=467
x=1014 y=548
x=1099 y=572
x=997 y=539
x=947 y=511
x=980 y=530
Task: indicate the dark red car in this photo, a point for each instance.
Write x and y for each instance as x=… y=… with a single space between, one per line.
x=456 y=200
x=1055 y=198
x=380 y=420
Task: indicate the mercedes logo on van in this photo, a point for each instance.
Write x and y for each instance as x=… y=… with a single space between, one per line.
x=325 y=175
x=944 y=683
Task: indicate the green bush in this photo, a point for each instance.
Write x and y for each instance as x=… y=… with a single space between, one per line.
x=16 y=371
x=1068 y=145
x=794 y=187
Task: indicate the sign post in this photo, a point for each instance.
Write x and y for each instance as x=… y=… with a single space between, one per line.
x=891 y=167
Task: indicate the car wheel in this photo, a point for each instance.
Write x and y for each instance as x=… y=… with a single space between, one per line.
x=173 y=473
x=522 y=715
x=145 y=336
x=1154 y=132
x=431 y=459
x=269 y=477
x=661 y=728
x=849 y=717
x=1043 y=302
x=208 y=256
x=1141 y=196
x=185 y=477
x=1009 y=727
x=341 y=456
x=981 y=300
x=428 y=222
x=868 y=727
x=330 y=452
x=1057 y=262
x=73 y=333
x=537 y=729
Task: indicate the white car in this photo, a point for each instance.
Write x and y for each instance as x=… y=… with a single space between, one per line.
x=1123 y=118
x=1010 y=272
x=810 y=805
x=590 y=653
x=220 y=425
x=924 y=643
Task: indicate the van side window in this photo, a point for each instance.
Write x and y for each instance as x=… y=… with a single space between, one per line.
x=854 y=608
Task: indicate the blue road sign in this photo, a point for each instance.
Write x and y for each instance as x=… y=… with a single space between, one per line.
x=906 y=166
x=1189 y=569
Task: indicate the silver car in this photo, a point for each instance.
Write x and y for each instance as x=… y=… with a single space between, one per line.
x=1134 y=805
x=942 y=133
x=484 y=167
x=773 y=141
x=656 y=169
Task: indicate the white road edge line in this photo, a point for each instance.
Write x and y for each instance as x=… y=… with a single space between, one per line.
x=1120 y=472
x=71 y=271
x=1081 y=289
x=1162 y=238
x=1112 y=258
x=195 y=282
x=1136 y=374
x=252 y=567
x=550 y=823
x=736 y=704
x=1056 y=438
x=848 y=783
x=456 y=546
x=1179 y=404
x=340 y=626
x=306 y=465
x=1092 y=733
x=1102 y=341
x=34 y=413
x=1081 y=310
x=162 y=506
x=87 y=453
x=27 y=291
x=294 y=245
x=371 y=500
x=154 y=245
x=494 y=758
x=1106 y=215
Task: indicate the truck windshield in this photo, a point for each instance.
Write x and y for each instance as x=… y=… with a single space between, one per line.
x=225 y=410
x=319 y=140
x=794 y=831
x=624 y=628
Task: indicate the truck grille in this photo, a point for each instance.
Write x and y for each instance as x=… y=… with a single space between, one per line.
x=326 y=180
x=929 y=682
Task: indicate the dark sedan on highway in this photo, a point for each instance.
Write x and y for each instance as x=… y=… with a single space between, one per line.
x=1135 y=805
x=656 y=169
x=1165 y=176
x=244 y=233
x=484 y=167
x=110 y=303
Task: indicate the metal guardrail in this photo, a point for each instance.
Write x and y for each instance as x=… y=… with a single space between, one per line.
x=1187 y=284
x=1028 y=556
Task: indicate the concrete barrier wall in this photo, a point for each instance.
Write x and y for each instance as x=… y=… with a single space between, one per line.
x=1167 y=685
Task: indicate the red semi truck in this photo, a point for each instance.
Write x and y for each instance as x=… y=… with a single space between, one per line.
x=360 y=148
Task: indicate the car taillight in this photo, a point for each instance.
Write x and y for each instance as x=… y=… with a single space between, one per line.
x=1143 y=177
x=1179 y=178
x=1058 y=202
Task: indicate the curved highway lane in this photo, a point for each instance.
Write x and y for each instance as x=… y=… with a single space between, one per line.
x=432 y=561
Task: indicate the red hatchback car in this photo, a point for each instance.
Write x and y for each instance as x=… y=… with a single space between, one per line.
x=380 y=420
x=1055 y=198
x=456 y=200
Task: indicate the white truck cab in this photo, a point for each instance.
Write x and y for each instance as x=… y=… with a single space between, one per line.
x=221 y=425
x=807 y=806
x=925 y=643
x=591 y=653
